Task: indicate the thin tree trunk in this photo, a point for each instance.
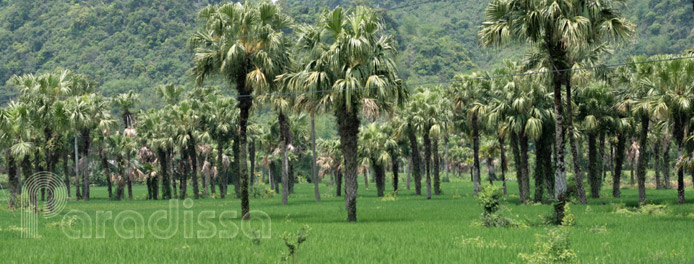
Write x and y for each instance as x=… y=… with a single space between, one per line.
x=379 y=171
x=502 y=148
x=656 y=153
x=166 y=181
x=619 y=162
x=85 y=174
x=427 y=160
x=476 y=153
x=235 y=164
x=194 y=164
x=107 y=171
x=593 y=172
x=284 y=138
x=78 y=194
x=396 y=168
x=641 y=170
x=251 y=157
x=221 y=174
x=314 y=167
x=66 y=171
x=525 y=167
x=416 y=161
x=559 y=78
x=666 y=166
x=184 y=176
x=409 y=172
x=13 y=178
x=603 y=158
x=540 y=156
x=515 y=149
x=445 y=157
x=338 y=183
x=366 y=178
x=436 y=164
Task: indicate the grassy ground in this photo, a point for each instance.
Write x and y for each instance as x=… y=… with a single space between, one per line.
x=407 y=230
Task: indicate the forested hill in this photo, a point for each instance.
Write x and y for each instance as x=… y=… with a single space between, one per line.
x=136 y=44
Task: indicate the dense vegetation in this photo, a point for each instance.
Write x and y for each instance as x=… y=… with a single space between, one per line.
x=135 y=45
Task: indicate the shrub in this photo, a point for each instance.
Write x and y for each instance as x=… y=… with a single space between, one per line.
x=293 y=242
x=260 y=190
x=555 y=247
x=490 y=199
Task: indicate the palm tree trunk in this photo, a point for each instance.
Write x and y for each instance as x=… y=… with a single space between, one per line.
x=165 y=179
x=85 y=174
x=396 y=168
x=641 y=170
x=221 y=175
x=656 y=153
x=66 y=170
x=338 y=183
x=619 y=162
x=445 y=157
x=666 y=166
x=436 y=164
x=409 y=171
x=415 y=158
x=502 y=148
x=314 y=167
x=558 y=79
x=245 y=104
x=515 y=149
x=578 y=174
x=194 y=164
x=525 y=167
x=235 y=164
x=379 y=171
x=427 y=160
x=78 y=195
x=593 y=172
x=251 y=157
x=603 y=159
x=366 y=178
x=284 y=138
x=184 y=176
x=476 y=153
x=107 y=171
x=540 y=156
x=12 y=178
x=681 y=131
x=348 y=128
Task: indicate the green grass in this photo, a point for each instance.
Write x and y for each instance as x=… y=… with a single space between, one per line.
x=407 y=230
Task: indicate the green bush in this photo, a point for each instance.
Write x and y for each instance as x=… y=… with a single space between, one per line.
x=260 y=190
x=490 y=199
x=554 y=247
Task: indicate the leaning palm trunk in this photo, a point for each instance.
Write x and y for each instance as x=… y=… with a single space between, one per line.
x=314 y=168
x=641 y=168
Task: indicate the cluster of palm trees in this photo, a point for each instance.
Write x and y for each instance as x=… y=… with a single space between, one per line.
x=345 y=65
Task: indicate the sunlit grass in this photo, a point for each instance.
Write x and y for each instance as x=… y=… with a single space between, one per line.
x=407 y=230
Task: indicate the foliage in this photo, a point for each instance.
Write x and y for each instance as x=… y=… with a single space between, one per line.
x=293 y=243
x=555 y=247
x=261 y=190
x=490 y=199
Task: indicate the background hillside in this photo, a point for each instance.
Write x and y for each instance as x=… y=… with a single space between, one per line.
x=137 y=44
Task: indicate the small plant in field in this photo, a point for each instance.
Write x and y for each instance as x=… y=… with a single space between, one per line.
x=260 y=190
x=568 y=219
x=554 y=247
x=647 y=209
x=478 y=242
x=293 y=242
x=389 y=197
x=490 y=199
x=69 y=222
x=599 y=229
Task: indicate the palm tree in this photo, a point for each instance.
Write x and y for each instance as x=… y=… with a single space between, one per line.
x=353 y=63
x=375 y=150
x=565 y=32
x=471 y=95
x=674 y=81
x=309 y=103
x=9 y=126
x=244 y=44
x=219 y=120
x=126 y=102
x=595 y=113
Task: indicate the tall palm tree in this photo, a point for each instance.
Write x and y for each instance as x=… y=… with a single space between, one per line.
x=353 y=63
x=220 y=119
x=674 y=81
x=565 y=32
x=309 y=103
x=126 y=102
x=374 y=148
x=595 y=113
x=471 y=95
x=245 y=45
